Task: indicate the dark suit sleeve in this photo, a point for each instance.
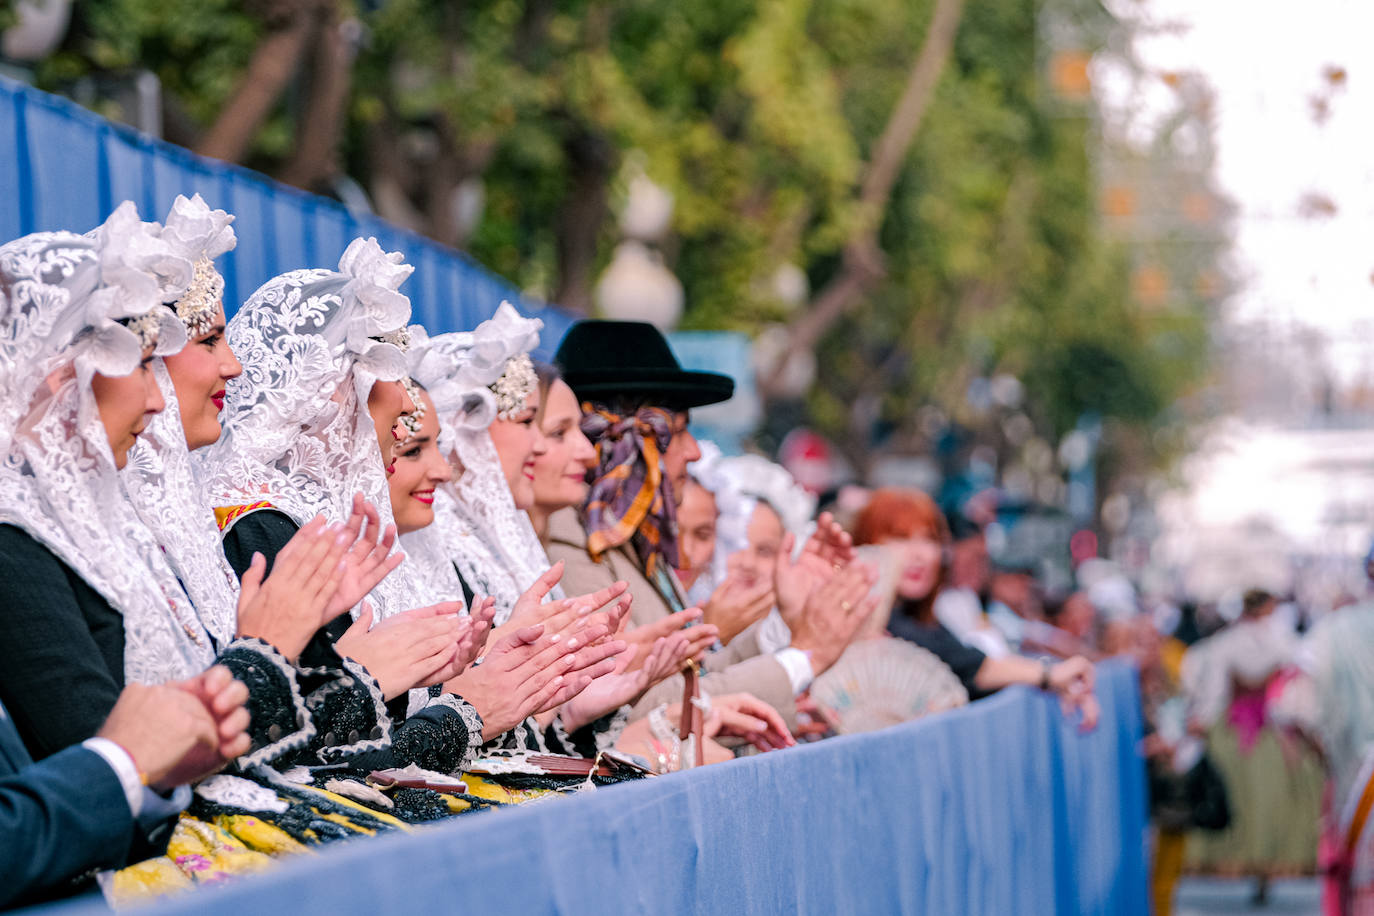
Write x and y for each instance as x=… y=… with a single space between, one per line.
x=59 y=819
x=265 y=531
x=55 y=678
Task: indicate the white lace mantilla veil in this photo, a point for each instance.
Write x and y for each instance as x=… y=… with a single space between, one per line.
x=297 y=432
x=476 y=524
x=62 y=297
x=160 y=480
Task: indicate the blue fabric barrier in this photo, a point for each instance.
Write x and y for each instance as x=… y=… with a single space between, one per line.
x=1000 y=808
x=62 y=167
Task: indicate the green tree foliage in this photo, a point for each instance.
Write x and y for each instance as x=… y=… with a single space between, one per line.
x=760 y=116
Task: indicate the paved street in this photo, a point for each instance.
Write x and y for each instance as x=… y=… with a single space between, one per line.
x=1203 y=896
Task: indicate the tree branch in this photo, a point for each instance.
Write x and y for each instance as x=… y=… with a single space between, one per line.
x=321 y=123
x=863 y=266
x=273 y=64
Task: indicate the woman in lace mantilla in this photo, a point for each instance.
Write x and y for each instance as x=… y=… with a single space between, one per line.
x=323 y=353
x=88 y=599
x=301 y=712
x=486 y=396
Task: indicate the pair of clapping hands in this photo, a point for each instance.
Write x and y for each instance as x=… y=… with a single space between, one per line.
x=323 y=572
x=822 y=595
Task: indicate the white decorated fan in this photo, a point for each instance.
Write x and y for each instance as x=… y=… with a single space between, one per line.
x=880 y=682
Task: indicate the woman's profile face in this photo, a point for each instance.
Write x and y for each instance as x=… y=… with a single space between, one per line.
x=560 y=473
x=418 y=469
x=198 y=374
x=126 y=404
x=385 y=403
x=519 y=443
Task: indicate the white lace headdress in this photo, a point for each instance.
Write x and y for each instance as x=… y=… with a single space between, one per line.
x=474 y=377
x=297 y=432
x=159 y=478
x=62 y=297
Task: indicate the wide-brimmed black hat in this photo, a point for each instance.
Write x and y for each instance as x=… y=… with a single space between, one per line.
x=601 y=360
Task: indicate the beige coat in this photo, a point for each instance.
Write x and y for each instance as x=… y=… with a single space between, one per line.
x=736 y=668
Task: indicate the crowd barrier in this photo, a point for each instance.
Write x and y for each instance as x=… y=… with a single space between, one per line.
x=1000 y=808
x=62 y=167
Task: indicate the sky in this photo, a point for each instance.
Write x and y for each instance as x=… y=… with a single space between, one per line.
x=1265 y=60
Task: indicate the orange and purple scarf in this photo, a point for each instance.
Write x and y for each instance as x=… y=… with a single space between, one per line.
x=630 y=499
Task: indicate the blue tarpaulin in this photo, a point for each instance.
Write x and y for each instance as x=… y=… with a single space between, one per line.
x=1000 y=808
x=62 y=167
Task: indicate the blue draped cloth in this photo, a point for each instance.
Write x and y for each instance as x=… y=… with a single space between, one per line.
x=998 y=808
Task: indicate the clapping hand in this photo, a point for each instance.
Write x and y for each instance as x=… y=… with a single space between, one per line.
x=825 y=620
x=407 y=649
x=287 y=607
x=538 y=668
x=697 y=638
x=369 y=560
x=734 y=606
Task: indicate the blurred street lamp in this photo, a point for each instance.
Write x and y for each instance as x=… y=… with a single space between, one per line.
x=648 y=210
x=41 y=26
x=790 y=285
x=637 y=287
x=771 y=347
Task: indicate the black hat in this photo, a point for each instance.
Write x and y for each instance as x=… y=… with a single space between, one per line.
x=601 y=360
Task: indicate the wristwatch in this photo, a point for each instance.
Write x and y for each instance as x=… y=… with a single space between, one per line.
x=1044 y=674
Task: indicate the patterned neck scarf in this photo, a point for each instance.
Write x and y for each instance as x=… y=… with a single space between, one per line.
x=631 y=500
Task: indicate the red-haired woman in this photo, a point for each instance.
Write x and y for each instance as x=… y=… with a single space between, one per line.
x=910 y=522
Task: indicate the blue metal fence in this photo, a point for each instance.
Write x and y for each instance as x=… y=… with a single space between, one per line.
x=62 y=167
x=1000 y=808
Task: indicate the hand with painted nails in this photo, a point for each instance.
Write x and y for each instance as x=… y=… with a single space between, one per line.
x=535 y=669
x=408 y=649
x=369 y=559
x=532 y=609
x=285 y=608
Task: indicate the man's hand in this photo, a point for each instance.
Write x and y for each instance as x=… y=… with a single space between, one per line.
x=742 y=715
x=699 y=638
x=180 y=732
x=830 y=543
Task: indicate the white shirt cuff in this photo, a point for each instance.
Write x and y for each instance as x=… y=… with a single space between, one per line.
x=124 y=767
x=798 y=667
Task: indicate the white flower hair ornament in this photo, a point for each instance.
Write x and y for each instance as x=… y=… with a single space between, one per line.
x=476 y=376
x=504 y=342
x=123 y=315
x=376 y=328
x=201 y=235
x=84 y=303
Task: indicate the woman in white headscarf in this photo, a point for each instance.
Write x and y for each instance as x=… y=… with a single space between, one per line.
x=87 y=600
x=301 y=688
x=485 y=394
